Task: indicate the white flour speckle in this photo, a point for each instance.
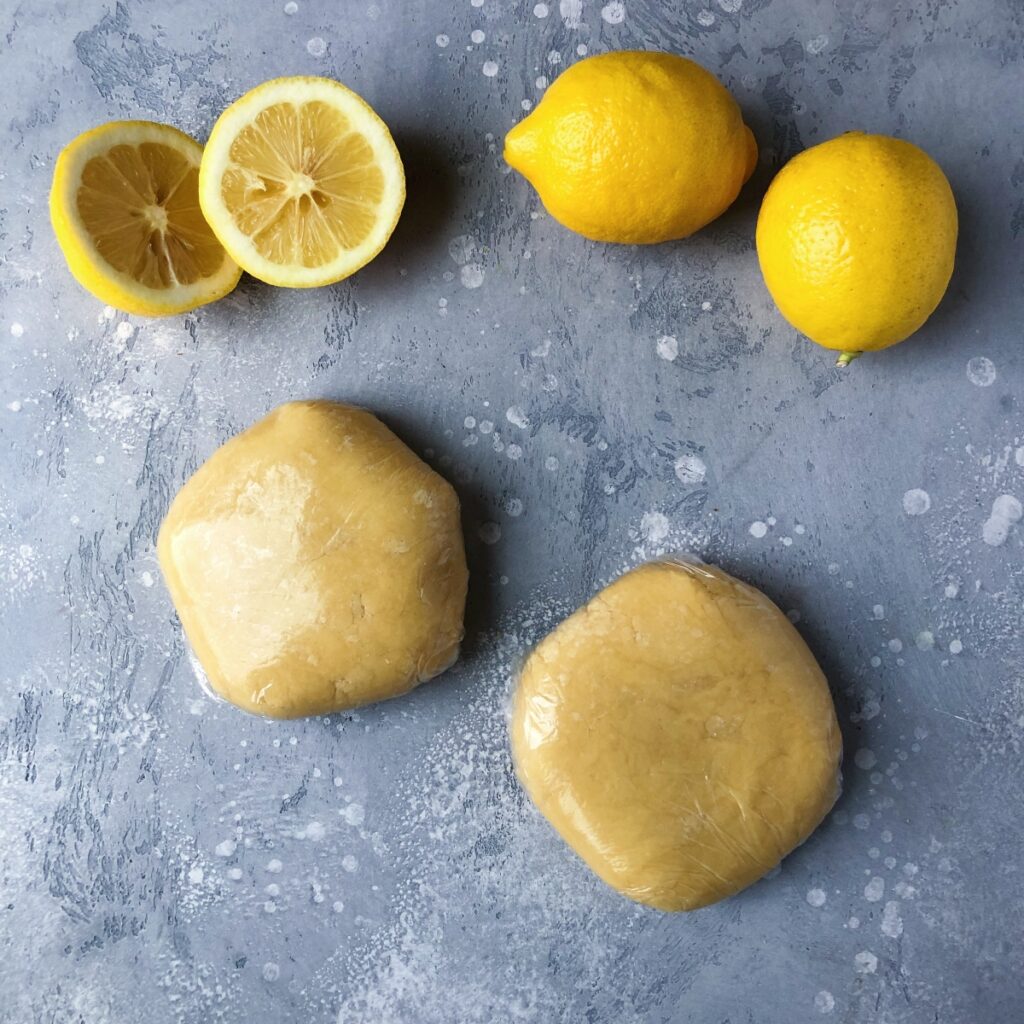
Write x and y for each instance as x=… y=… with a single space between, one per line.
x=541 y=11
x=895 y=645
x=1006 y=510
x=892 y=922
x=490 y=68
x=571 y=12
x=226 y=848
x=874 y=890
x=614 y=13
x=981 y=371
x=816 y=897
x=274 y=866
x=667 y=347
x=955 y=647
x=654 y=527
x=816 y=45
x=337 y=906
x=865 y=962
x=758 y=529
x=271 y=971
x=690 y=470
x=349 y=863
x=442 y=40
x=1018 y=456
x=291 y=7
x=124 y=330
x=472 y=275
x=462 y=248
x=196 y=876
x=514 y=507
x=878 y=611
x=477 y=36
x=353 y=814
x=730 y=6
x=14 y=406
x=17 y=330
x=316 y=47
x=924 y=641
x=489 y=533
x=315 y=831
x=146 y=578
x=517 y=417
x=865 y=759
x=551 y=463
x=235 y=874
x=824 y=1001
x=916 y=502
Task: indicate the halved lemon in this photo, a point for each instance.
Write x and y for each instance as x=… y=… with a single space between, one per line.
x=301 y=181
x=125 y=209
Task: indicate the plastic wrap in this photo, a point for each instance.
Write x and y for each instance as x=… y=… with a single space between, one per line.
x=316 y=564
x=678 y=734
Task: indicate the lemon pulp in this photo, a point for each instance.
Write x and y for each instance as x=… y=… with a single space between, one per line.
x=140 y=206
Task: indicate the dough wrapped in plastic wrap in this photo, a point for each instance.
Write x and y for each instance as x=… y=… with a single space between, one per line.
x=316 y=564
x=678 y=734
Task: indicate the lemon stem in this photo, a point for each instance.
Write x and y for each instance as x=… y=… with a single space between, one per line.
x=847 y=357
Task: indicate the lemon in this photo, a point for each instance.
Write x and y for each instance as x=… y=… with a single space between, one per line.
x=125 y=209
x=634 y=147
x=856 y=239
x=301 y=181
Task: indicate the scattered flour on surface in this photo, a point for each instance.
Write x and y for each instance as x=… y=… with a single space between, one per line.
x=916 y=502
x=892 y=921
x=865 y=962
x=654 y=527
x=614 y=13
x=1006 y=511
x=981 y=371
x=667 y=347
x=874 y=890
x=690 y=470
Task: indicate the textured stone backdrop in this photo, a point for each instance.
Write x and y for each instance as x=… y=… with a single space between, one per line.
x=164 y=858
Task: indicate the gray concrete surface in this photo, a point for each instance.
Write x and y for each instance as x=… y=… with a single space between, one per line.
x=165 y=858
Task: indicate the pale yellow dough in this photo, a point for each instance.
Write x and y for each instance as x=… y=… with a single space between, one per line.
x=316 y=564
x=678 y=734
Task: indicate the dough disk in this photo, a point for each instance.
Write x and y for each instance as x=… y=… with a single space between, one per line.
x=678 y=734
x=316 y=564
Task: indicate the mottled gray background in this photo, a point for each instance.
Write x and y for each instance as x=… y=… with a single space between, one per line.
x=167 y=858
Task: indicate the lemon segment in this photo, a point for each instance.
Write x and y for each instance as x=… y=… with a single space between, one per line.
x=302 y=182
x=856 y=239
x=125 y=210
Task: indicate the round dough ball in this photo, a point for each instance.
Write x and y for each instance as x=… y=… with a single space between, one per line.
x=678 y=734
x=316 y=564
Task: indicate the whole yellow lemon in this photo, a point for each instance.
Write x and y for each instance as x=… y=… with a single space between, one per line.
x=634 y=147
x=856 y=239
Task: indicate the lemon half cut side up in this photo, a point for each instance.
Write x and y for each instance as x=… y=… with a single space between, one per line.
x=125 y=209
x=301 y=182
